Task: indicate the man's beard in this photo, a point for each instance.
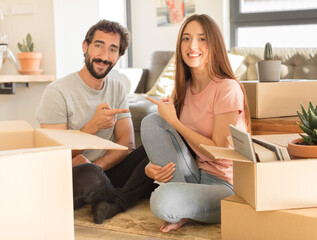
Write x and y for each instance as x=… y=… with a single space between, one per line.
x=90 y=67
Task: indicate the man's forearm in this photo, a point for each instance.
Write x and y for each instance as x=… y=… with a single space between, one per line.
x=114 y=157
x=111 y=159
x=90 y=127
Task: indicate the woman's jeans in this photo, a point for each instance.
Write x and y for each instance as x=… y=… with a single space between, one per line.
x=191 y=193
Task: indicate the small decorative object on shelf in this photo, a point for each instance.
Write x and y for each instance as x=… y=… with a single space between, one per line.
x=268 y=52
x=29 y=61
x=306 y=146
x=269 y=69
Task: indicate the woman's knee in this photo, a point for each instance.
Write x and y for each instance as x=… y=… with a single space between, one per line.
x=164 y=202
x=150 y=120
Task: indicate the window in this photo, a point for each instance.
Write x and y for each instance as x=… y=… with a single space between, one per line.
x=249 y=6
x=284 y=23
x=115 y=11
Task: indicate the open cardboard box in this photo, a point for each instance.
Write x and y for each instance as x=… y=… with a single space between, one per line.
x=239 y=221
x=272 y=185
x=279 y=99
x=36 y=180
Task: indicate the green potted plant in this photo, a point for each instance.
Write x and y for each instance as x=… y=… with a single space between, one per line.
x=30 y=61
x=306 y=146
x=269 y=69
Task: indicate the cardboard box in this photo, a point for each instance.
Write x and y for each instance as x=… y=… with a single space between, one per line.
x=277 y=184
x=279 y=99
x=36 y=180
x=240 y=222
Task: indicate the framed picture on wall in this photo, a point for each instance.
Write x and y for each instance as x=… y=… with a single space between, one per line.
x=171 y=12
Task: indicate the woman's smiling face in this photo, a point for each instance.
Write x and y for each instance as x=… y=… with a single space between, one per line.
x=194 y=45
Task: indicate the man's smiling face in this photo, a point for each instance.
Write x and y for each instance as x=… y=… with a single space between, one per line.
x=102 y=53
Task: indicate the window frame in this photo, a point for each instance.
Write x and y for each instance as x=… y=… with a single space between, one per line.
x=129 y=26
x=260 y=19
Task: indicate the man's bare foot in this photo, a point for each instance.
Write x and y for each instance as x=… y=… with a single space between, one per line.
x=166 y=227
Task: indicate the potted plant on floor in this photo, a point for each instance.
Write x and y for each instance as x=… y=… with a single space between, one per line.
x=306 y=146
x=269 y=69
x=30 y=61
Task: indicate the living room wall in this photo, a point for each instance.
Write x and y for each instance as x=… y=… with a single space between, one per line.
x=21 y=17
x=58 y=28
x=147 y=37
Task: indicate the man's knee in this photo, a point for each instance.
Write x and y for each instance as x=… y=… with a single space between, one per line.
x=86 y=178
x=87 y=174
x=90 y=184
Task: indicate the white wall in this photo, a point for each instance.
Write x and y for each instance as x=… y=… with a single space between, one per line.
x=117 y=13
x=147 y=37
x=39 y=23
x=58 y=28
x=72 y=19
x=22 y=104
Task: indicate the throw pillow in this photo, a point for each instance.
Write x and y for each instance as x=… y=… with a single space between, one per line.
x=164 y=85
x=165 y=82
x=130 y=77
x=235 y=61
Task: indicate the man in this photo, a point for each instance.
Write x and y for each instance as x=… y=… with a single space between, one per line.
x=112 y=180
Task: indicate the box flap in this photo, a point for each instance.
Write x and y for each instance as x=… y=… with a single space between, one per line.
x=15 y=135
x=14 y=126
x=245 y=181
x=19 y=151
x=78 y=140
x=217 y=153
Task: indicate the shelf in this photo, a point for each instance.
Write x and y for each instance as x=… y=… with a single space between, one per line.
x=26 y=78
x=278 y=125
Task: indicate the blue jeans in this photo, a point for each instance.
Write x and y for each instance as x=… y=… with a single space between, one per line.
x=191 y=193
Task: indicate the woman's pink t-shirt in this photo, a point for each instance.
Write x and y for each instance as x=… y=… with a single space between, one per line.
x=198 y=111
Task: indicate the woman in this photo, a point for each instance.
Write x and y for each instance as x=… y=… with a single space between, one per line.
x=207 y=98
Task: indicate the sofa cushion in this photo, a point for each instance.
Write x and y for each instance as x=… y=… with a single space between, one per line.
x=158 y=61
x=165 y=82
x=130 y=77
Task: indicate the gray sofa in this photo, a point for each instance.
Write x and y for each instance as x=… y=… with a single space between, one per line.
x=297 y=63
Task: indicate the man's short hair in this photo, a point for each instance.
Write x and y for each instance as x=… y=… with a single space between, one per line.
x=110 y=27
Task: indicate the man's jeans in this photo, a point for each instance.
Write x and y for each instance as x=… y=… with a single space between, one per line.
x=124 y=184
x=191 y=193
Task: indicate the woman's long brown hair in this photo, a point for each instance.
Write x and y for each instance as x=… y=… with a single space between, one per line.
x=218 y=62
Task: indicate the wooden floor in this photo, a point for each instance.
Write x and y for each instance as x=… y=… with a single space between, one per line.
x=86 y=233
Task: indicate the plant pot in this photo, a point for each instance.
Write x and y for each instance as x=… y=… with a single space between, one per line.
x=269 y=70
x=30 y=62
x=303 y=151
